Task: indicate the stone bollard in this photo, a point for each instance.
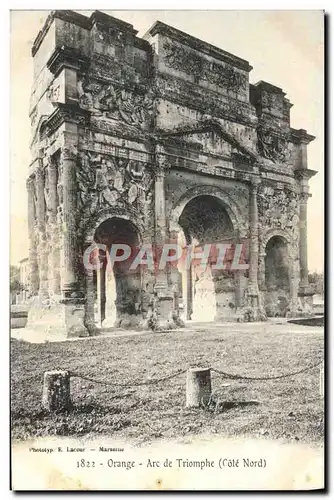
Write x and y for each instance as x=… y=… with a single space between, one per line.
x=56 y=390
x=198 y=389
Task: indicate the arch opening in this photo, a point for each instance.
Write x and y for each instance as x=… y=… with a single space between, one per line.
x=277 y=277
x=206 y=293
x=117 y=287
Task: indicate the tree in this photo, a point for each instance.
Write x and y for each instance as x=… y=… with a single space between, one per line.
x=15 y=284
x=316 y=281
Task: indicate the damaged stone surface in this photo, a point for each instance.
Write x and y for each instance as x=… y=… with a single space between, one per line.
x=152 y=140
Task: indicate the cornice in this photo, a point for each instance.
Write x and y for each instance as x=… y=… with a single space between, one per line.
x=195 y=43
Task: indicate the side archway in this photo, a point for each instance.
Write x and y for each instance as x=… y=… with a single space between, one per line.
x=277 y=275
x=114 y=289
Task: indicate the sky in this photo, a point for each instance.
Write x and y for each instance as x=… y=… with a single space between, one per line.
x=285 y=49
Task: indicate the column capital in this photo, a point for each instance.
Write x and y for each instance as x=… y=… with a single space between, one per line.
x=162 y=164
x=69 y=153
x=304 y=196
x=30 y=182
x=254 y=184
x=40 y=171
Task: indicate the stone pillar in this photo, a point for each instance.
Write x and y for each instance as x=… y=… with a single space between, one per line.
x=253 y=288
x=41 y=228
x=72 y=303
x=262 y=271
x=190 y=297
x=33 y=262
x=160 y=217
x=69 y=278
x=99 y=296
x=305 y=293
x=174 y=276
x=239 y=283
x=90 y=303
x=198 y=387
x=56 y=391
x=293 y=284
x=304 y=284
x=303 y=174
x=163 y=293
x=54 y=259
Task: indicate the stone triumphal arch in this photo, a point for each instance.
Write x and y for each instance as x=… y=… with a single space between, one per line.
x=144 y=141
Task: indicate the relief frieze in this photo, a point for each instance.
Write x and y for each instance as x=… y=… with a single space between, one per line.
x=181 y=59
x=279 y=209
x=119 y=182
x=273 y=146
x=112 y=101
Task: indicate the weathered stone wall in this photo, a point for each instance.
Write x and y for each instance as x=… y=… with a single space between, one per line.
x=136 y=128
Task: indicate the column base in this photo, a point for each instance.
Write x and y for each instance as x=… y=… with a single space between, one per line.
x=58 y=318
x=127 y=321
x=162 y=315
x=305 y=291
x=305 y=301
x=253 y=311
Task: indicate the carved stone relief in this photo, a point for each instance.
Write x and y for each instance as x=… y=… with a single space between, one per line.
x=53 y=93
x=105 y=180
x=273 y=146
x=181 y=59
x=279 y=209
x=112 y=101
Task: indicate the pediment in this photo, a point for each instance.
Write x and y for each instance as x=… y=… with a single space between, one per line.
x=210 y=136
x=37 y=128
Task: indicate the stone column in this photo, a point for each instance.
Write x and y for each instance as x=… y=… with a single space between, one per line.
x=160 y=217
x=190 y=298
x=303 y=175
x=262 y=271
x=293 y=284
x=175 y=277
x=41 y=228
x=163 y=293
x=54 y=259
x=305 y=293
x=304 y=284
x=254 y=302
x=253 y=289
x=69 y=278
x=33 y=261
x=72 y=283
x=90 y=303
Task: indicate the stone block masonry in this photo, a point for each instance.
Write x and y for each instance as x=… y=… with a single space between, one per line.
x=154 y=140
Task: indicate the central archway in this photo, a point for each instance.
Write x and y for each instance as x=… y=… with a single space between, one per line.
x=207 y=293
x=118 y=288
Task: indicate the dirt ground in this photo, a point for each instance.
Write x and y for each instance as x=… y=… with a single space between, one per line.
x=289 y=409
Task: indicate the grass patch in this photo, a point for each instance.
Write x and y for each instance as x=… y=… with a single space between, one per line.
x=288 y=409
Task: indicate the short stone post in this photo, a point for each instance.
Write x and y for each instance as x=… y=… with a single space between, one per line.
x=198 y=389
x=56 y=390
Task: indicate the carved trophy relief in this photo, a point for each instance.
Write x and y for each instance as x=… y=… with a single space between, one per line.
x=113 y=101
x=119 y=181
x=279 y=209
x=53 y=93
x=104 y=180
x=132 y=193
x=272 y=146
